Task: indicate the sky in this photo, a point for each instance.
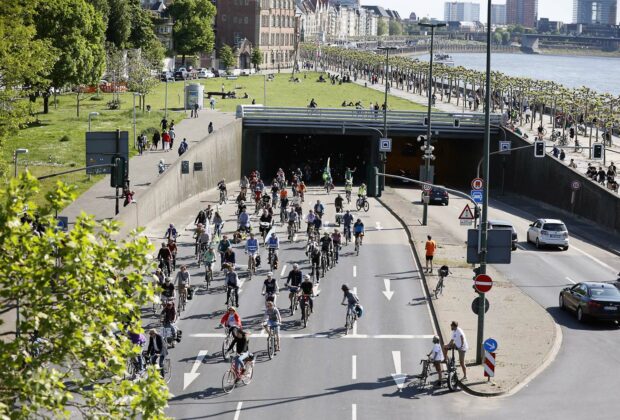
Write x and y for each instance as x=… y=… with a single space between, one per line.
x=561 y=10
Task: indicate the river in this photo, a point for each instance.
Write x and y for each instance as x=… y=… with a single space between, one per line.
x=598 y=73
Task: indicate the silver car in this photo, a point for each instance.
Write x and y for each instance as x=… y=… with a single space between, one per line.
x=548 y=232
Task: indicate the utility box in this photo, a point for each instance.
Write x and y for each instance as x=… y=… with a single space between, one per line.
x=194 y=94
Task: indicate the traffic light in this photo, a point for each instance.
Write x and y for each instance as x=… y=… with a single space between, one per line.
x=597 y=151
x=539 y=149
x=117 y=175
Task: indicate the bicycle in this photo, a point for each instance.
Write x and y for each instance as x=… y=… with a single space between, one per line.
x=347 y=234
x=166 y=368
x=208 y=274
x=453 y=380
x=358 y=243
x=306 y=309
x=226 y=343
x=292 y=296
x=271 y=340
x=291 y=231
x=328 y=187
x=362 y=203
x=443 y=273
x=273 y=258
x=350 y=320
x=426 y=370
x=324 y=263
x=251 y=265
x=348 y=196
x=233 y=375
x=182 y=298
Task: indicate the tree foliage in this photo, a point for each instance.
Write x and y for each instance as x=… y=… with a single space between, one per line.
x=119 y=23
x=227 y=57
x=395 y=27
x=143 y=36
x=257 y=57
x=382 y=27
x=140 y=79
x=79 y=292
x=192 y=32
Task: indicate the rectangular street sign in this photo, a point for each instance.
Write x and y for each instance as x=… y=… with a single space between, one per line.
x=465 y=222
x=385 y=144
x=499 y=246
x=476 y=195
x=101 y=147
x=504 y=147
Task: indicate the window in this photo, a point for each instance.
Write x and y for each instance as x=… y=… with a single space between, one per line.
x=246 y=20
x=223 y=18
x=234 y=19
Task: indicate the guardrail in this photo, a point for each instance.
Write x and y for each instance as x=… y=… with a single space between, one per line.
x=258 y=115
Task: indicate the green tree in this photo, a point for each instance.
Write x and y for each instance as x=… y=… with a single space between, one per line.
x=257 y=57
x=119 y=23
x=382 y=27
x=78 y=293
x=395 y=27
x=227 y=57
x=76 y=31
x=143 y=36
x=192 y=32
x=140 y=79
x=497 y=38
x=506 y=36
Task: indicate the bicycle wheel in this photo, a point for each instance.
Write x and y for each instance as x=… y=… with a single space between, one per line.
x=358 y=205
x=422 y=377
x=453 y=380
x=366 y=206
x=293 y=304
x=167 y=370
x=306 y=310
x=248 y=374
x=229 y=381
x=271 y=345
x=225 y=345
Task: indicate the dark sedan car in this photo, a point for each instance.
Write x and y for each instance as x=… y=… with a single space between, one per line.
x=437 y=196
x=592 y=300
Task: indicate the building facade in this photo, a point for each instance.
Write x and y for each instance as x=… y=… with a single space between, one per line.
x=522 y=12
x=455 y=11
x=602 y=12
x=498 y=14
x=265 y=24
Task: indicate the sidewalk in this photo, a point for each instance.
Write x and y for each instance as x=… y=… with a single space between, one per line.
x=99 y=200
x=527 y=334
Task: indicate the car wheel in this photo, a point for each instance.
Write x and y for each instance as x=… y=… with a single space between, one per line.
x=561 y=303
x=580 y=316
x=537 y=243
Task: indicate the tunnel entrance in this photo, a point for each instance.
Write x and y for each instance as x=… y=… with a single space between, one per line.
x=310 y=152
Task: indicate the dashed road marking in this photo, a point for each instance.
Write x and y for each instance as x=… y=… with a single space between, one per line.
x=355 y=271
x=238 y=410
x=354 y=367
x=283 y=270
x=353 y=411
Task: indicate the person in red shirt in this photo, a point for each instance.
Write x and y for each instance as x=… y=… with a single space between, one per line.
x=231 y=320
x=430 y=248
x=165 y=137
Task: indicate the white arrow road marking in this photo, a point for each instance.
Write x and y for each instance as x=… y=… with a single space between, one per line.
x=354 y=367
x=241 y=281
x=387 y=292
x=238 y=410
x=283 y=270
x=378 y=225
x=190 y=377
x=398 y=376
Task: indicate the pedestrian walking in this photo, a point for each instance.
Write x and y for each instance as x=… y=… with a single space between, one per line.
x=458 y=342
x=164 y=124
x=183 y=147
x=430 y=248
x=156 y=138
x=172 y=135
x=196 y=110
x=210 y=127
x=141 y=143
x=165 y=144
x=212 y=103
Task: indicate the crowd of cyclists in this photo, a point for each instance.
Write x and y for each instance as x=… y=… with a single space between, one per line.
x=322 y=248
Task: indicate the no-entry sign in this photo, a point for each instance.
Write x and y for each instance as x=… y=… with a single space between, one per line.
x=483 y=283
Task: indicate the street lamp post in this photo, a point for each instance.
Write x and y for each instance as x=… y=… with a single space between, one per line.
x=90 y=115
x=16 y=153
x=134 y=118
x=385 y=106
x=427 y=145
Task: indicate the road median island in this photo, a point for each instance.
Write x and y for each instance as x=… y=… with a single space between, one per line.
x=527 y=335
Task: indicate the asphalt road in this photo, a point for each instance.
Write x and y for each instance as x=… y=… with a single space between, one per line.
x=320 y=373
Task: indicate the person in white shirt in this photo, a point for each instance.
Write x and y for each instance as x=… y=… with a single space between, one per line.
x=436 y=356
x=459 y=342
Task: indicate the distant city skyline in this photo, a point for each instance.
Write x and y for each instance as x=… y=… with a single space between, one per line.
x=561 y=10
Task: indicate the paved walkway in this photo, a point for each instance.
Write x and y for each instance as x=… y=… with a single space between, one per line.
x=99 y=200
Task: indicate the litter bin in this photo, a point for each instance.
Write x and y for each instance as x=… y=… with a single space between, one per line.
x=194 y=93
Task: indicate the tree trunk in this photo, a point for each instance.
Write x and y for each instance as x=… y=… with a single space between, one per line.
x=46 y=103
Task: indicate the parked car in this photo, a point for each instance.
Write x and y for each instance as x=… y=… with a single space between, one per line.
x=181 y=73
x=437 y=195
x=500 y=224
x=548 y=232
x=205 y=74
x=592 y=300
x=166 y=76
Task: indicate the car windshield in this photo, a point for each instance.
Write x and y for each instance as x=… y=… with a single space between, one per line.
x=501 y=227
x=554 y=227
x=597 y=292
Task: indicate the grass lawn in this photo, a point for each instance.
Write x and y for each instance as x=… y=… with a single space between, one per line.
x=57 y=143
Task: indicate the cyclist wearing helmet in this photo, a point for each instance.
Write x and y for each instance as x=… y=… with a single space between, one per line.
x=270 y=288
x=361 y=192
x=293 y=281
x=350 y=298
x=307 y=292
x=273 y=320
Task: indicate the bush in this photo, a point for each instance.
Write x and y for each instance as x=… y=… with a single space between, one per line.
x=114 y=104
x=150 y=131
x=97 y=98
x=65 y=138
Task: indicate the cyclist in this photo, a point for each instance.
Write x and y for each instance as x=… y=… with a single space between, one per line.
x=326 y=246
x=273 y=244
x=229 y=258
x=292 y=219
x=301 y=190
x=349 y=297
x=222 y=187
x=208 y=257
x=270 y=288
x=172 y=246
x=299 y=212
x=319 y=208
x=183 y=281
x=222 y=247
x=317 y=224
x=347 y=219
x=293 y=281
x=280 y=177
x=244 y=184
x=251 y=248
x=266 y=199
x=209 y=212
x=283 y=207
x=232 y=284
x=170 y=317
x=361 y=192
x=336 y=240
x=202 y=239
x=358 y=230
x=348 y=187
x=294 y=184
x=258 y=190
x=217 y=223
x=165 y=257
x=436 y=356
x=314 y=253
x=201 y=218
x=348 y=175
x=265 y=223
x=157 y=350
x=159 y=277
x=310 y=220
x=244 y=221
x=171 y=233
x=242 y=342
x=338 y=203
x=275 y=189
x=307 y=292
x=167 y=292
x=231 y=320
x=273 y=320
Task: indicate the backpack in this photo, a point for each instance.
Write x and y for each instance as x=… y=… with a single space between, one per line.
x=182 y=148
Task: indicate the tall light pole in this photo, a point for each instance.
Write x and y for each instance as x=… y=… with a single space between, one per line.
x=90 y=115
x=428 y=156
x=134 y=118
x=16 y=153
x=385 y=106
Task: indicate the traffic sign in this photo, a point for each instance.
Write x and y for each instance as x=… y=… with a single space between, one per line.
x=489 y=364
x=490 y=345
x=475 y=305
x=504 y=147
x=62 y=222
x=575 y=185
x=476 y=195
x=477 y=184
x=467 y=214
x=427 y=187
x=385 y=145
x=483 y=283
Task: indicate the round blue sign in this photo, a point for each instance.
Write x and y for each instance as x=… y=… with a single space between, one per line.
x=490 y=345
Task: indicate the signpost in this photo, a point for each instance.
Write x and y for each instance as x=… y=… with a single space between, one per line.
x=467 y=216
x=475 y=305
x=483 y=283
x=490 y=345
x=427 y=187
x=477 y=184
x=504 y=147
x=385 y=145
x=575 y=185
x=489 y=364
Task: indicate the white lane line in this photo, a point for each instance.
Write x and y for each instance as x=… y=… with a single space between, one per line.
x=353 y=411
x=571 y=280
x=398 y=376
x=355 y=271
x=283 y=270
x=238 y=411
x=373 y=336
x=521 y=247
x=295 y=238
x=354 y=367
x=403 y=336
x=596 y=260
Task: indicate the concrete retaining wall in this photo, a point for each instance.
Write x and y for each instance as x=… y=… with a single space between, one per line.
x=220 y=154
x=549 y=180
